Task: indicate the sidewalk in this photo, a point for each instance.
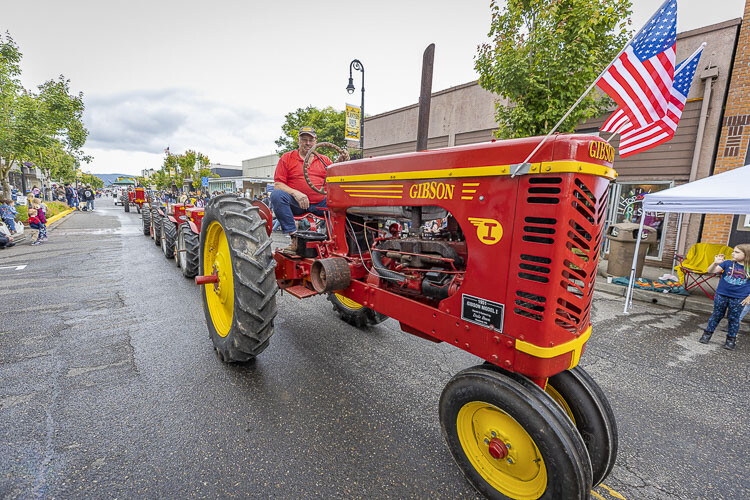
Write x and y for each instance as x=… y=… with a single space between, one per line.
x=52 y=222
x=695 y=302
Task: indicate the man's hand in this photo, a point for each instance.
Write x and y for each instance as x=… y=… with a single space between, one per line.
x=302 y=200
x=719 y=259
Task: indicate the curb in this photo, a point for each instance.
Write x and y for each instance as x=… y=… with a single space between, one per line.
x=691 y=303
x=55 y=219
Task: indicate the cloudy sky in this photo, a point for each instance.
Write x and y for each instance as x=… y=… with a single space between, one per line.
x=219 y=76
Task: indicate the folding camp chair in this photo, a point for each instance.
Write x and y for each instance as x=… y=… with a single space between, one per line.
x=692 y=268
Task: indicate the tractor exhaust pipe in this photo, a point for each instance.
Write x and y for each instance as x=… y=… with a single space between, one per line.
x=425 y=96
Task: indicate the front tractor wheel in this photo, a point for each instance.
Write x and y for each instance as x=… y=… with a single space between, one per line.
x=168 y=237
x=587 y=406
x=146 y=221
x=510 y=440
x=127 y=206
x=241 y=306
x=353 y=312
x=188 y=245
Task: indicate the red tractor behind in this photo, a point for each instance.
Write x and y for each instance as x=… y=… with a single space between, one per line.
x=508 y=278
x=135 y=197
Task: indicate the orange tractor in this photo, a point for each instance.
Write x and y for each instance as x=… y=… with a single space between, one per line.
x=509 y=277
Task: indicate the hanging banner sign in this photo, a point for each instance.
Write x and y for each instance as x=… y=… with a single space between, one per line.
x=353 y=117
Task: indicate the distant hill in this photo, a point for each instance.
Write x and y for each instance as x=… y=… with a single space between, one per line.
x=110 y=178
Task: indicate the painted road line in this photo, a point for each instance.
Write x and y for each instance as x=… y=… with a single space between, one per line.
x=17 y=268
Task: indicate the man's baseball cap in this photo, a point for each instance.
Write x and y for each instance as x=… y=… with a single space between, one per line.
x=308 y=131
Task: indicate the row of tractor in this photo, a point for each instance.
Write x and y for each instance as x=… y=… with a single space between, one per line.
x=176 y=229
x=508 y=278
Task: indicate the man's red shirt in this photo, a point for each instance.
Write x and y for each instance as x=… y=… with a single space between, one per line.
x=289 y=171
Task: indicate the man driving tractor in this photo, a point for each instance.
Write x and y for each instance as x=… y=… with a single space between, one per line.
x=292 y=195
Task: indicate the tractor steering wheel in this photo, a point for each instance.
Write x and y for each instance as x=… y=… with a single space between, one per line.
x=343 y=156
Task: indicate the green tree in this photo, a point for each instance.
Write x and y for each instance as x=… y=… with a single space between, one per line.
x=328 y=123
x=542 y=56
x=190 y=165
x=91 y=179
x=45 y=127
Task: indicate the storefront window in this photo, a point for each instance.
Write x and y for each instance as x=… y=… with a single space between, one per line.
x=629 y=198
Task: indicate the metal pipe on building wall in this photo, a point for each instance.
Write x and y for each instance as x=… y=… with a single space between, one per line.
x=708 y=76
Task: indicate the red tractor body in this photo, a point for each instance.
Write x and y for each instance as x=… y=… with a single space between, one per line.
x=194 y=216
x=516 y=289
x=467 y=245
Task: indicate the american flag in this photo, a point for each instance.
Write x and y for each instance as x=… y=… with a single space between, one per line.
x=640 y=79
x=634 y=141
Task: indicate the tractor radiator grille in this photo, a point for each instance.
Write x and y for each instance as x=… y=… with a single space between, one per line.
x=557 y=239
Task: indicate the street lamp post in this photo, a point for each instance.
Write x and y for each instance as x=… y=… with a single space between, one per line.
x=358 y=66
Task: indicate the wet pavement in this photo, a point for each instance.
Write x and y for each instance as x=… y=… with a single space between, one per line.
x=109 y=387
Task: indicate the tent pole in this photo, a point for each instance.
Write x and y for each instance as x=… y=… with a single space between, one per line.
x=631 y=281
x=677 y=240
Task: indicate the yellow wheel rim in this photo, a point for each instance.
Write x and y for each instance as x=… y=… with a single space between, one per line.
x=348 y=303
x=521 y=473
x=219 y=297
x=560 y=402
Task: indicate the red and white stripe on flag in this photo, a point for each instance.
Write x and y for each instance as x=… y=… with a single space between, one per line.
x=641 y=89
x=638 y=140
x=617 y=123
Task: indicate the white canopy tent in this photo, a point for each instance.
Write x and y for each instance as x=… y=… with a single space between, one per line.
x=725 y=193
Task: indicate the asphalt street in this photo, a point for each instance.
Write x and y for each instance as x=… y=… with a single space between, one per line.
x=109 y=387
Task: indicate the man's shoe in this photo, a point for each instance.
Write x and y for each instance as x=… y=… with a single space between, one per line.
x=730 y=344
x=705 y=338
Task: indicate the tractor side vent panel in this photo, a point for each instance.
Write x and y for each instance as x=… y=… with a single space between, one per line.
x=557 y=240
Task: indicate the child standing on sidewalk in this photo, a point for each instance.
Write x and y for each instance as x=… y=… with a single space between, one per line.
x=732 y=294
x=38 y=221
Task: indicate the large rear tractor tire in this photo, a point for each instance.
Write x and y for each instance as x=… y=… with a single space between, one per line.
x=156 y=223
x=146 y=221
x=354 y=313
x=511 y=440
x=168 y=237
x=241 y=307
x=189 y=256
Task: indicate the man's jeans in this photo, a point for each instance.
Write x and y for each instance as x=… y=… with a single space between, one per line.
x=286 y=207
x=89 y=204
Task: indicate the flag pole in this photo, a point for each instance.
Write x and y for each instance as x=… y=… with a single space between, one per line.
x=631 y=281
x=526 y=161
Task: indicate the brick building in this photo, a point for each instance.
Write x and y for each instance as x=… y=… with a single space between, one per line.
x=734 y=150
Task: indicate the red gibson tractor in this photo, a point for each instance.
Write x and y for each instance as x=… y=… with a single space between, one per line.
x=170 y=223
x=152 y=219
x=135 y=197
x=509 y=278
x=188 y=242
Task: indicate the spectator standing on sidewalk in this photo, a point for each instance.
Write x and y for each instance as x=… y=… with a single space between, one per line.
x=89 y=195
x=69 y=195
